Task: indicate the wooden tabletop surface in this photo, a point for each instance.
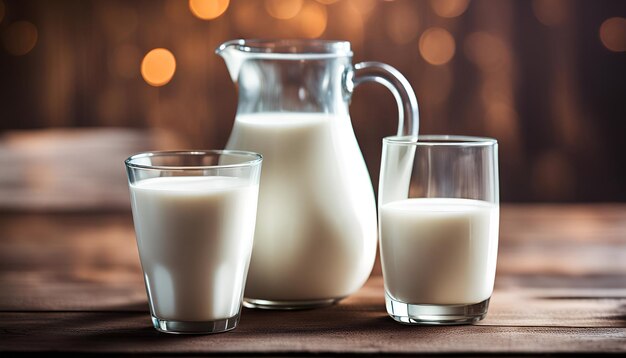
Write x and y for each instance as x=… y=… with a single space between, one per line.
x=70 y=278
x=71 y=282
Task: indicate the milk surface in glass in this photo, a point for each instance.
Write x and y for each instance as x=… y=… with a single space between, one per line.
x=439 y=250
x=194 y=236
x=316 y=229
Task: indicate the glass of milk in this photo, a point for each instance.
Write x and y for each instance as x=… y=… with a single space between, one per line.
x=194 y=215
x=438 y=212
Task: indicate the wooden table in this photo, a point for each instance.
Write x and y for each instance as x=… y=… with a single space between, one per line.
x=70 y=281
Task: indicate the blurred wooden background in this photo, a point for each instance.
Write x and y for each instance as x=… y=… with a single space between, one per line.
x=82 y=88
x=544 y=77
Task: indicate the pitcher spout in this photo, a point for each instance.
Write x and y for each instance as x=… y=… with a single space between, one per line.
x=231 y=52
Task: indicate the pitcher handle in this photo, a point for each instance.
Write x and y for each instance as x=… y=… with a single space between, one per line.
x=408 y=111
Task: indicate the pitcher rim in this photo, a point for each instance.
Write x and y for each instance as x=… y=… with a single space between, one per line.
x=290 y=48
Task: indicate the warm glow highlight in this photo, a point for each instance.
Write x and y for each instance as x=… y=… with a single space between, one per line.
x=327 y=2
x=283 y=9
x=352 y=29
x=502 y=120
x=436 y=46
x=551 y=12
x=208 y=9
x=449 y=8
x=496 y=88
x=487 y=51
x=365 y=7
x=402 y=23
x=20 y=38
x=613 y=34
x=312 y=20
x=158 y=67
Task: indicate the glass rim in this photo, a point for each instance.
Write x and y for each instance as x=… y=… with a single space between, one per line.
x=255 y=158
x=441 y=140
x=290 y=48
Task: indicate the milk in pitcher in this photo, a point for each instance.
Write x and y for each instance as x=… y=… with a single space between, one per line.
x=316 y=229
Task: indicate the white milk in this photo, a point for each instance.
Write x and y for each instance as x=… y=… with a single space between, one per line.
x=194 y=236
x=316 y=224
x=439 y=250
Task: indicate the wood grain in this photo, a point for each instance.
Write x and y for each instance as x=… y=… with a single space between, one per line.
x=341 y=329
x=72 y=169
x=72 y=282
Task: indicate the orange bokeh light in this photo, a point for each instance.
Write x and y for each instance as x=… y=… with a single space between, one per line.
x=436 y=46
x=327 y=2
x=449 y=8
x=283 y=9
x=354 y=27
x=365 y=7
x=551 y=12
x=208 y=9
x=312 y=19
x=613 y=34
x=20 y=38
x=158 y=67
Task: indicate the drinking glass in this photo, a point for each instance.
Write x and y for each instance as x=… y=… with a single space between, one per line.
x=438 y=212
x=194 y=214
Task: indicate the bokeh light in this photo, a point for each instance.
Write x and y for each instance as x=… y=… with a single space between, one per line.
x=436 y=46
x=158 y=67
x=449 y=8
x=402 y=23
x=1 y=11
x=365 y=7
x=551 y=12
x=487 y=51
x=312 y=20
x=613 y=34
x=283 y=9
x=208 y=9
x=20 y=38
x=353 y=29
x=327 y=2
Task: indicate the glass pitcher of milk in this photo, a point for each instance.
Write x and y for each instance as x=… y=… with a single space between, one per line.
x=315 y=239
